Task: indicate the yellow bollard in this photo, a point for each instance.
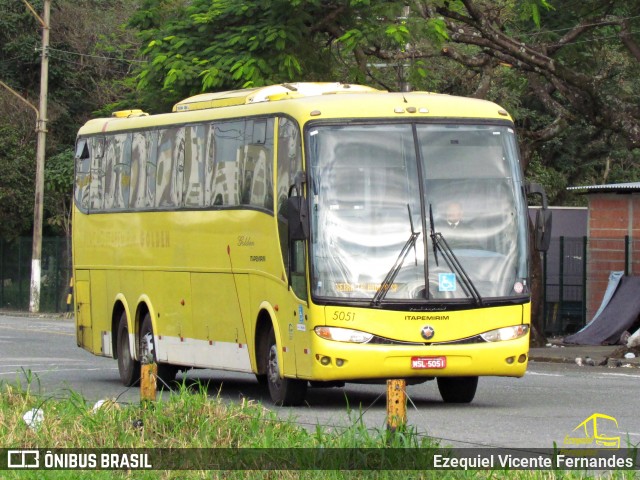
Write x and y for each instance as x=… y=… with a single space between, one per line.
x=148 y=376
x=69 y=311
x=396 y=404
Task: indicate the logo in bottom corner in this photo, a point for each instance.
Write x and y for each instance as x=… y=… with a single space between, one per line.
x=23 y=459
x=595 y=431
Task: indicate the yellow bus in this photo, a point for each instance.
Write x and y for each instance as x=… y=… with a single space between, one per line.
x=311 y=234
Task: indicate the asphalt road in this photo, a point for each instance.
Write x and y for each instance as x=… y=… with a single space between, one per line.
x=535 y=411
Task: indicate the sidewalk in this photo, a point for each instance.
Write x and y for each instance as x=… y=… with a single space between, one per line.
x=585 y=355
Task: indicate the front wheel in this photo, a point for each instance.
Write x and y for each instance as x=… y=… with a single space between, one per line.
x=128 y=367
x=283 y=391
x=457 y=389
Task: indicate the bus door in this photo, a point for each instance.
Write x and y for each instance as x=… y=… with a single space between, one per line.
x=82 y=291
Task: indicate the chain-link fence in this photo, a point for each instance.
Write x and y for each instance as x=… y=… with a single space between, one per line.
x=569 y=299
x=566 y=266
x=15 y=273
x=564 y=287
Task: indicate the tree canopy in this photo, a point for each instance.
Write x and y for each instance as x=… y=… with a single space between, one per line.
x=567 y=71
x=203 y=45
x=90 y=59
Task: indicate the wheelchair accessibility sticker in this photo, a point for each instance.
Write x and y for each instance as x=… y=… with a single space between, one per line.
x=447 y=282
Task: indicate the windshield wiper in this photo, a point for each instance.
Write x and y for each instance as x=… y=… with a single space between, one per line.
x=395 y=269
x=433 y=235
x=441 y=245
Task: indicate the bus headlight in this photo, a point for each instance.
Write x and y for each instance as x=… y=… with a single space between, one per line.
x=343 y=334
x=506 y=333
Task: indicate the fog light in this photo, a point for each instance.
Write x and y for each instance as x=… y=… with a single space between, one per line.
x=325 y=361
x=522 y=358
x=510 y=360
x=339 y=362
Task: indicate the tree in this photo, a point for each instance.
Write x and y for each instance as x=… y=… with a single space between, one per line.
x=89 y=58
x=16 y=181
x=202 y=45
x=59 y=188
x=576 y=70
x=568 y=76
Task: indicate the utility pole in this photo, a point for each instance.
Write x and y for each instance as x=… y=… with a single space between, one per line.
x=41 y=129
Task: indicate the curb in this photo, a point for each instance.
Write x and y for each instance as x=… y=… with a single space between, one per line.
x=587 y=361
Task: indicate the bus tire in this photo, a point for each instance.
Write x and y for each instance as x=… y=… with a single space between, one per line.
x=457 y=389
x=283 y=391
x=166 y=371
x=262 y=379
x=128 y=367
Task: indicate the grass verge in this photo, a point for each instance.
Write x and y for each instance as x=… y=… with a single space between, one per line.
x=187 y=418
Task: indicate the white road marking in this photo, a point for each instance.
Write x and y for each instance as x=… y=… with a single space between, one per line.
x=59 y=370
x=545 y=374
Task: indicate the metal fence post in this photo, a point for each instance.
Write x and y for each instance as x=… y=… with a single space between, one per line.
x=545 y=308
x=19 y=299
x=58 y=273
x=584 y=280
x=626 y=255
x=2 y=275
x=561 y=281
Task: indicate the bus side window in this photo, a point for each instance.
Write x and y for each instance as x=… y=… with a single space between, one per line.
x=258 y=164
x=139 y=154
x=289 y=163
x=228 y=141
x=170 y=155
x=109 y=173
x=117 y=167
x=194 y=166
x=150 y=168
x=177 y=175
x=255 y=185
x=96 y=195
x=124 y=173
x=209 y=168
x=83 y=174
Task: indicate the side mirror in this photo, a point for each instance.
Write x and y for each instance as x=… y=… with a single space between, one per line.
x=298 y=210
x=542 y=232
x=542 y=228
x=298 y=217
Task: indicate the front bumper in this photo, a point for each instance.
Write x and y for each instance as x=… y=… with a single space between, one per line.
x=352 y=361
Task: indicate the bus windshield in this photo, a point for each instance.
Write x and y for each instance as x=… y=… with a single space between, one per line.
x=372 y=187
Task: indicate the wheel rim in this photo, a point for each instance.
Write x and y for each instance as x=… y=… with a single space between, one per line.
x=146 y=346
x=273 y=371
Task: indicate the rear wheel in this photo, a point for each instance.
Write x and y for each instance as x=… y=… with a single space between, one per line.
x=166 y=372
x=128 y=367
x=457 y=389
x=283 y=391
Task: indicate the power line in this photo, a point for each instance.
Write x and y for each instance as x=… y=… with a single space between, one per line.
x=593 y=39
x=541 y=32
x=51 y=50
x=101 y=57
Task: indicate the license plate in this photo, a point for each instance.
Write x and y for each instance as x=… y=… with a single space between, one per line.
x=424 y=363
